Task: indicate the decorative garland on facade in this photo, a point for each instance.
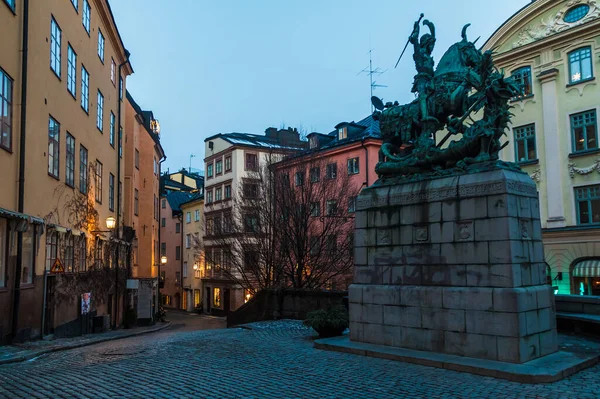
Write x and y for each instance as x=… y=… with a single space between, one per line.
x=584 y=171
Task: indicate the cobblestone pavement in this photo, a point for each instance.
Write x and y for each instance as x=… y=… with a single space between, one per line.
x=268 y=360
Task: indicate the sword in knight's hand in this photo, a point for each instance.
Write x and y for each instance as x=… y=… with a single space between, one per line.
x=407 y=43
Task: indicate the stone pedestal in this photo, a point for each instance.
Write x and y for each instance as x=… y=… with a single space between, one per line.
x=453 y=265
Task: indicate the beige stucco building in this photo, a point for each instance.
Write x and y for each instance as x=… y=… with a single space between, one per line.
x=553 y=48
x=193 y=251
x=63 y=69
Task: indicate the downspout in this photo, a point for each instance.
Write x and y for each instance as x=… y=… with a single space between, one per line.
x=21 y=200
x=120 y=94
x=362 y=143
x=180 y=217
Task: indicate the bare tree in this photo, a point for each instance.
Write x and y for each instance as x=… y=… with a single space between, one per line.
x=289 y=227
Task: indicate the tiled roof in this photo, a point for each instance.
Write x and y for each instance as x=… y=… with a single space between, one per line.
x=194 y=197
x=176 y=198
x=257 y=140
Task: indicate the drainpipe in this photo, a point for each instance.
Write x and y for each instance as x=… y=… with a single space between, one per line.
x=120 y=95
x=21 y=200
x=181 y=262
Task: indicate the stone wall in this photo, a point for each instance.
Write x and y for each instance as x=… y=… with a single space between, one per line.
x=453 y=265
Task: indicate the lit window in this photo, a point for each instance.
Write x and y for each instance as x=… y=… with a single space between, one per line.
x=217 y=297
x=85 y=89
x=100 y=111
x=100 y=45
x=83 y=170
x=111 y=192
x=71 y=71
x=70 y=161
x=525 y=143
x=342 y=133
x=53 y=147
x=353 y=166
x=111 y=136
x=55 y=39
x=584 y=129
x=580 y=65
x=523 y=77
x=98 y=182
x=85 y=16
x=6 y=87
x=588 y=204
x=576 y=13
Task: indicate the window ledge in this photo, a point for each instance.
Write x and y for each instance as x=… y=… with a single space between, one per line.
x=528 y=163
x=581 y=81
x=9 y=150
x=27 y=286
x=523 y=98
x=584 y=153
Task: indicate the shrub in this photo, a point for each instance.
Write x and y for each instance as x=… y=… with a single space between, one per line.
x=329 y=322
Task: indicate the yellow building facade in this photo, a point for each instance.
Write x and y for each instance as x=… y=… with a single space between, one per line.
x=553 y=48
x=63 y=68
x=193 y=251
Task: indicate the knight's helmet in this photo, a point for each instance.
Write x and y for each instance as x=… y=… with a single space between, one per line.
x=428 y=39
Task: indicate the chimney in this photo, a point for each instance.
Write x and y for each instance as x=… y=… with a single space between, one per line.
x=271 y=132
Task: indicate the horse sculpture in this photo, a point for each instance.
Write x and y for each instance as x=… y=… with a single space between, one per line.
x=464 y=82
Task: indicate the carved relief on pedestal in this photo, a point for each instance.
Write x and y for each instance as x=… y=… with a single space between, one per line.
x=585 y=170
x=556 y=23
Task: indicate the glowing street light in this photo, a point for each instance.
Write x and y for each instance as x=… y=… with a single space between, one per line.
x=110 y=222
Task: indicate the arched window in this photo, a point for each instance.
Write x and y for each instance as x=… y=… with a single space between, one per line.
x=523 y=77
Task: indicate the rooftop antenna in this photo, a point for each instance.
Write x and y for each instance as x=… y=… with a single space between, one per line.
x=370 y=71
x=191 y=156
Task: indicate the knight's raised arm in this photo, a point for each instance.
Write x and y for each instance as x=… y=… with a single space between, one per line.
x=431 y=27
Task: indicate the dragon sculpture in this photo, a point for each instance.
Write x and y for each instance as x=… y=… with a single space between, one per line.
x=464 y=83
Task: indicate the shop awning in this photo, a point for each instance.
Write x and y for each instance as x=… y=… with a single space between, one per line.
x=587 y=268
x=16 y=215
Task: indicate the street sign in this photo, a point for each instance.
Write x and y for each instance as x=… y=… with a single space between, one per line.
x=57 y=267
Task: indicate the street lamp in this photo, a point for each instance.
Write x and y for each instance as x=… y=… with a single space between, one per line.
x=110 y=223
x=163 y=260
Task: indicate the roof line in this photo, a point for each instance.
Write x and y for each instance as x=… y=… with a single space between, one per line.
x=507 y=21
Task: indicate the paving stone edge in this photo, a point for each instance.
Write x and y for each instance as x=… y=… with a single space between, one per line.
x=40 y=352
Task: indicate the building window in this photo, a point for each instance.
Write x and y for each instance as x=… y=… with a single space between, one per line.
x=250 y=259
x=70 y=161
x=184 y=275
x=251 y=223
x=85 y=89
x=209 y=170
x=188 y=217
x=55 y=39
x=580 y=65
x=588 y=204
x=177 y=227
x=251 y=162
x=163 y=222
x=315 y=209
x=209 y=226
x=584 y=129
x=216 y=297
x=111 y=136
x=6 y=86
x=576 y=13
x=83 y=169
x=250 y=190
x=111 y=192
x=53 y=147
x=120 y=141
x=100 y=111
x=331 y=207
x=227 y=223
x=69 y=253
x=227 y=164
x=228 y=191
x=136 y=201
x=299 y=179
x=28 y=256
x=342 y=133
x=219 y=167
x=11 y=5
x=120 y=88
x=332 y=170
x=177 y=278
x=85 y=16
x=113 y=68
x=82 y=254
x=3 y=252
x=71 y=71
x=100 y=45
x=163 y=204
x=315 y=175
x=218 y=225
x=313 y=142
x=352 y=204
x=218 y=194
x=137 y=160
x=178 y=253
x=197 y=215
x=523 y=77
x=163 y=249
x=98 y=182
x=188 y=241
x=525 y=143
x=209 y=197
x=51 y=248
x=353 y=166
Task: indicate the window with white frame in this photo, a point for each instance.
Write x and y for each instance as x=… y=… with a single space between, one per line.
x=55 y=42
x=72 y=71
x=85 y=89
x=197 y=215
x=209 y=196
x=75 y=4
x=51 y=248
x=111 y=136
x=185 y=274
x=100 y=45
x=86 y=15
x=70 y=161
x=523 y=77
x=188 y=217
x=6 y=88
x=98 y=182
x=83 y=169
x=53 y=147
x=218 y=194
x=353 y=166
x=69 y=253
x=113 y=68
x=100 y=111
x=331 y=171
x=188 y=241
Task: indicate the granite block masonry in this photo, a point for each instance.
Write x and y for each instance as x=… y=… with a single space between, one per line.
x=453 y=265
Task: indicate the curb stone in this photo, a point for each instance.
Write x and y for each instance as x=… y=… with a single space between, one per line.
x=40 y=352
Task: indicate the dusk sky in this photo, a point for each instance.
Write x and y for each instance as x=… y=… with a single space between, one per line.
x=207 y=67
